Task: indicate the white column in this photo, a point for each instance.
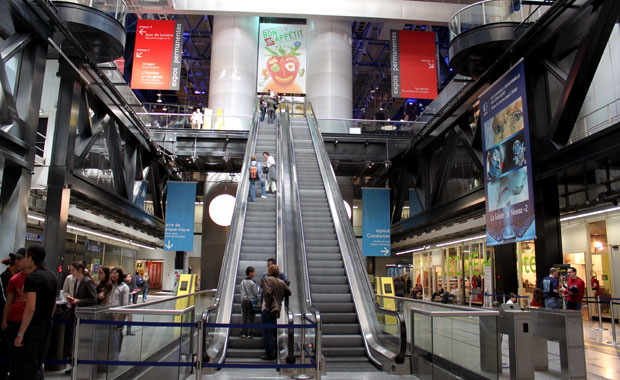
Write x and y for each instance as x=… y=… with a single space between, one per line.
x=329 y=68
x=232 y=86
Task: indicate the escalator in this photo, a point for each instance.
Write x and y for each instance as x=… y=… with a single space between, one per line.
x=255 y=235
x=258 y=245
x=353 y=338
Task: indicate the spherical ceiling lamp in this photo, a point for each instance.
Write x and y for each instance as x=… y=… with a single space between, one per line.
x=221 y=209
x=348 y=207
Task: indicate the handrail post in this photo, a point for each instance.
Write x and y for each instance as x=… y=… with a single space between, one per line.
x=76 y=343
x=613 y=322
x=317 y=347
x=303 y=375
x=199 y=349
x=600 y=314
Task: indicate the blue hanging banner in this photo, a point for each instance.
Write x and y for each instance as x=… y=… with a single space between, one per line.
x=508 y=161
x=180 y=207
x=376 y=221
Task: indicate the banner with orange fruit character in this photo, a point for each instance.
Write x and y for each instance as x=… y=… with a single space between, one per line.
x=282 y=58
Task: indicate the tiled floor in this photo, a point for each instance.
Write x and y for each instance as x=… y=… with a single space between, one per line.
x=602 y=361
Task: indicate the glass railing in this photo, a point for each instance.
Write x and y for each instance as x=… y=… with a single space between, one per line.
x=449 y=342
x=114 y=8
x=596 y=121
x=359 y=126
x=160 y=331
x=493 y=11
x=216 y=122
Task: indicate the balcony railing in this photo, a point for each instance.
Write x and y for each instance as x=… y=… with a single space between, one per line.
x=493 y=11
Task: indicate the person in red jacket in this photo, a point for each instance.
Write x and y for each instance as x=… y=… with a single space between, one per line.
x=575 y=290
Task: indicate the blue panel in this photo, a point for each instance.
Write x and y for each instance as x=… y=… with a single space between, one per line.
x=376 y=222
x=508 y=161
x=180 y=207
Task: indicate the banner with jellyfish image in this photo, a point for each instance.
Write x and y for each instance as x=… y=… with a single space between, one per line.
x=508 y=162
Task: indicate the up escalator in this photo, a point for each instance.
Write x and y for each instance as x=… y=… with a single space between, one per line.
x=353 y=338
x=258 y=244
x=331 y=294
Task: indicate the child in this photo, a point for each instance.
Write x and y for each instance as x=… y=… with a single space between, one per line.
x=249 y=294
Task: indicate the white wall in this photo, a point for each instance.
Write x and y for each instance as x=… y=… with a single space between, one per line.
x=575 y=238
x=605 y=89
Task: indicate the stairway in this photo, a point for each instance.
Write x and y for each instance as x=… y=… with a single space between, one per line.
x=258 y=244
x=343 y=345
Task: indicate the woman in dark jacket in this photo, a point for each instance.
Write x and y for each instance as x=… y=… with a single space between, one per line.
x=85 y=289
x=274 y=291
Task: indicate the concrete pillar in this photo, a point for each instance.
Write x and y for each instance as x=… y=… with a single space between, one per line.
x=232 y=86
x=329 y=82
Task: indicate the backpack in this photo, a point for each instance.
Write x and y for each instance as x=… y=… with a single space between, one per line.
x=139 y=281
x=253 y=171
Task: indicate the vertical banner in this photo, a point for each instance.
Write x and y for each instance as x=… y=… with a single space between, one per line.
x=376 y=222
x=282 y=58
x=157 y=55
x=508 y=161
x=413 y=64
x=180 y=207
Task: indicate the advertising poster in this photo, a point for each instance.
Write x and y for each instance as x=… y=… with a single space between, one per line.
x=282 y=58
x=508 y=162
x=376 y=222
x=157 y=55
x=180 y=207
x=413 y=64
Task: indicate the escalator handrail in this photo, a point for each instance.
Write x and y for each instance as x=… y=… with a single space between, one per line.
x=301 y=246
x=350 y=249
x=230 y=262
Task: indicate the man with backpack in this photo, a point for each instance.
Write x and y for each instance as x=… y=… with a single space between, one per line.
x=255 y=170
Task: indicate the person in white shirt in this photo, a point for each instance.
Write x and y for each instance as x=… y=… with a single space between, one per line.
x=512 y=300
x=119 y=297
x=271 y=174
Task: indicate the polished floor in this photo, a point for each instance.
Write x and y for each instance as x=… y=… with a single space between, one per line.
x=602 y=360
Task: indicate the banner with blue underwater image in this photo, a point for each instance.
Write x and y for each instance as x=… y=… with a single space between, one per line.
x=180 y=207
x=508 y=161
x=376 y=222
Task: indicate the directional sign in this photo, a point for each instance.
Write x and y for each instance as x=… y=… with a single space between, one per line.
x=180 y=206
x=376 y=221
x=157 y=56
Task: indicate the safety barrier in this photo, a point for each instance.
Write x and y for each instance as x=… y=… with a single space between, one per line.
x=598 y=300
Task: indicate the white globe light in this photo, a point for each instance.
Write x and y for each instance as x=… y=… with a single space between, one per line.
x=221 y=209
x=346 y=205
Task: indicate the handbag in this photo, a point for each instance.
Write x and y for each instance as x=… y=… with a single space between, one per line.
x=256 y=304
x=265 y=170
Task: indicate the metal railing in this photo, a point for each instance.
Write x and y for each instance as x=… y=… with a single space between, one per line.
x=596 y=121
x=228 y=274
x=310 y=313
x=363 y=296
x=493 y=11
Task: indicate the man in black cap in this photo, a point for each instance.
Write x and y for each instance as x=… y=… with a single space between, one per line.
x=35 y=330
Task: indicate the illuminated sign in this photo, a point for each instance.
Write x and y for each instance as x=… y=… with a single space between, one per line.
x=157 y=55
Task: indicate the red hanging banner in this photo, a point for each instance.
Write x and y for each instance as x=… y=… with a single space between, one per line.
x=157 y=55
x=413 y=64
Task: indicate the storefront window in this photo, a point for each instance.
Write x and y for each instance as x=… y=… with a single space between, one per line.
x=600 y=272
x=526 y=269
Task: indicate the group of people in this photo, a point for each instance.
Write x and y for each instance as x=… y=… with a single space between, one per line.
x=28 y=300
x=268 y=169
x=553 y=291
x=268 y=105
x=266 y=296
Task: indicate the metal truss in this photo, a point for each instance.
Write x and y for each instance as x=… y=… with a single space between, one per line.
x=561 y=53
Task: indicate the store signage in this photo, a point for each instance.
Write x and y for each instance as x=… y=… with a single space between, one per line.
x=376 y=221
x=282 y=58
x=157 y=55
x=413 y=64
x=180 y=206
x=508 y=161
x=34 y=237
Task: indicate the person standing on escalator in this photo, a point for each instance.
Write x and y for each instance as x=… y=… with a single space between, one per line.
x=271 y=172
x=274 y=291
